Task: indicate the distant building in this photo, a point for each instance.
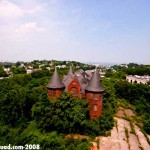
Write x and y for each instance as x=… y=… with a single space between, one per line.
x=102 y=74
x=124 y=65
x=138 y=79
x=90 y=73
x=29 y=71
x=81 y=85
x=3 y=78
x=7 y=70
x=48 y=68
x=61 y=66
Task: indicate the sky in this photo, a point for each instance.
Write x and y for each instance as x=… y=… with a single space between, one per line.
x=114 y=31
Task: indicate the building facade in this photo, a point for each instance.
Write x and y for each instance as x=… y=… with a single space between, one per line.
x=81 y=85
x=138 y=79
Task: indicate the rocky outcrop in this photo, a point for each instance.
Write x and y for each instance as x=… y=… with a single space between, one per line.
x=123 y=138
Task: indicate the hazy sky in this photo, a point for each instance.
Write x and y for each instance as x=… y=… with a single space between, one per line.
x=82 y=30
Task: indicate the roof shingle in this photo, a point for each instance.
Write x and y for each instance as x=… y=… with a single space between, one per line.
x=94 y=84
x=55 y=82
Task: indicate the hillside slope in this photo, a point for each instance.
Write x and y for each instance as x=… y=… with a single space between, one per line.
x=124 y=135
x=122 y=139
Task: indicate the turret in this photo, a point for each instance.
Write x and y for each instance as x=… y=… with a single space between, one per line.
x=55 y=86
x=94 y=95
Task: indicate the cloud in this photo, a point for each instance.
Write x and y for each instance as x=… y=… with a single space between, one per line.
x=21 y=32
x=25 y=31
x=20 y=19
x=31 y=26
x=9 y=10
x=34 y=10
x=28 y=27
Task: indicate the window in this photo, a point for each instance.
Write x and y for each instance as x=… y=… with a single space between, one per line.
x=95 y=107
x=74 y=91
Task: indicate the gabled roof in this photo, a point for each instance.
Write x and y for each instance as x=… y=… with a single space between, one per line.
x=67 y=79
x=55 y=82
x=94 y=84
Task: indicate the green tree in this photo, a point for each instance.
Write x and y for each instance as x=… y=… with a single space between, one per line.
x=16 y=107
x=109 y=73
x=41 y=73
x=18 y=70
x=63 y=115
x=147 y=125
x=2 y=72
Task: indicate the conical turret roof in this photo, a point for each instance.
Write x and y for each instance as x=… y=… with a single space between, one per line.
x=70 y=72
x=94 y=84
x=55 y=82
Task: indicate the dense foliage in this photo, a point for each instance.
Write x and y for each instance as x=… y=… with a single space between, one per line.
x=137 y=95
x=120 y=72
x=17 y=70
x=2 y=72
x=137 y=71
x=30 y=117
x=134 y=69
x=71 y=115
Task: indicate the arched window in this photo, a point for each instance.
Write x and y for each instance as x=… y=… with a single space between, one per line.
x=74 y=87
x=74 y=90
x=95 y=108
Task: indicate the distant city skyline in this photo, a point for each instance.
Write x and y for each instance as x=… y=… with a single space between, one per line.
x=104 y=31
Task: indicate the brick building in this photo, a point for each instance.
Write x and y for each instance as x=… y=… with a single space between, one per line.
x=82 y=85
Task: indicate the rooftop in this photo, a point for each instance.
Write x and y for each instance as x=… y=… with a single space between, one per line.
x=55 y=82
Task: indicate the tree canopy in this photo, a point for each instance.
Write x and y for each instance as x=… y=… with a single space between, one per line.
x=27 y=114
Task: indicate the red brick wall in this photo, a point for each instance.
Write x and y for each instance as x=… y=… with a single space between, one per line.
x=95 y=100
x=52 y=93
x=96 y=103
x=74 y=87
